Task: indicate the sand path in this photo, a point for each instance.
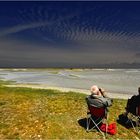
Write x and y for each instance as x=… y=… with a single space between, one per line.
x=111 y=95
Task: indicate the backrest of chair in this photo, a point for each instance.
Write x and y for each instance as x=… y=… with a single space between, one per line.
x=138 y=111
x=97 y=112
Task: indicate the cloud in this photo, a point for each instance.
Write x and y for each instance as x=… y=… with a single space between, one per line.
x=73 y=39
x=19 y=28
x=39 y=18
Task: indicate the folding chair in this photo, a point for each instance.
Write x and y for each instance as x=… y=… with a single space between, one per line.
x=135 y=119
x=95 y=117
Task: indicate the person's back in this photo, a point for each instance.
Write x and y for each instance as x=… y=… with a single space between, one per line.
x=137 y=100
x=133 y=102
x=99 y=101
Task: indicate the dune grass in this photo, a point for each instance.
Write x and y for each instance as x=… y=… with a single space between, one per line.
x=27 y=113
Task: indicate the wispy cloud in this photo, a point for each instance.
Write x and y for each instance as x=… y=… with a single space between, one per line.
x=34 y=18
x=19 y=28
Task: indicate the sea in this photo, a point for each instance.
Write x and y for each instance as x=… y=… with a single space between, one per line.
x=123 y=81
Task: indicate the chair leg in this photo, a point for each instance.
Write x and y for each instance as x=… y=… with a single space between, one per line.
x=136 y=129
x=137 y=126
x=87 y=125
x=96 y=125
x=106 y=129
x=88 y=129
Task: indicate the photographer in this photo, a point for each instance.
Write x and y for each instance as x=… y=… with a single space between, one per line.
x=98 y=97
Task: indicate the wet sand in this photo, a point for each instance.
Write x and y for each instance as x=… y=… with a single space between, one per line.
x=111 y=95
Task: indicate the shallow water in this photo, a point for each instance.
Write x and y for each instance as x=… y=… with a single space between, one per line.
x=124 y=81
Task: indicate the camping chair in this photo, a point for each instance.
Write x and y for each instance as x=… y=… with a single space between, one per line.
x=134 y=119
x=95 y=117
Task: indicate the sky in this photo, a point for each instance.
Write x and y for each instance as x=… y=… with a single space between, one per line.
x=70 y=34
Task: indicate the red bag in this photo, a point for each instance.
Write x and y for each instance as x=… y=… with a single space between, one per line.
x=111 y=129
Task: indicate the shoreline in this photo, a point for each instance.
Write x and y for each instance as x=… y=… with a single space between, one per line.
x=83 y=91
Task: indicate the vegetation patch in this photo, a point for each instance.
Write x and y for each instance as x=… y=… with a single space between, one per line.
x=27 y=113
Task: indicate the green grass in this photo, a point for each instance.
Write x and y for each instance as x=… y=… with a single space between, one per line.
x=50 y=114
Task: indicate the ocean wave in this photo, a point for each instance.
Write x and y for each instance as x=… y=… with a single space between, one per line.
x=133 y=71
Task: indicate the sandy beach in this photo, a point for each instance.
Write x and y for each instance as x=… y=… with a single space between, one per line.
x=43 y=86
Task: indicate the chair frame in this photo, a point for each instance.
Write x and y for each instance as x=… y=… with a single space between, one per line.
x=95 y=121
x=136 y=118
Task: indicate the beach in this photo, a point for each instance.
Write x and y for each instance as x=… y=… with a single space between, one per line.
x=87 y=92
x=118 y=83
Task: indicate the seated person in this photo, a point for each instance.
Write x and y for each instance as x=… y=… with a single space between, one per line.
x=98 y=97
x=132 y=103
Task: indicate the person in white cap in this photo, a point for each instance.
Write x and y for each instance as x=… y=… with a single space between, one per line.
x=98 y=97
